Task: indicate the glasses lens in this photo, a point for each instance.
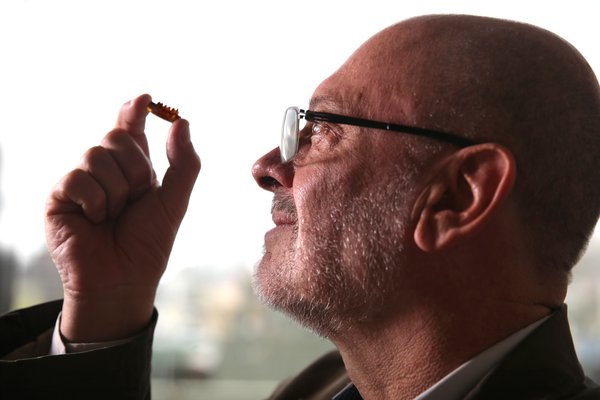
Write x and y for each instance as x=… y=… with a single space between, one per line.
x=289 y=134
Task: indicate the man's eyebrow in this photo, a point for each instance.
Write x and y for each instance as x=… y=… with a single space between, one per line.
x=329 y=103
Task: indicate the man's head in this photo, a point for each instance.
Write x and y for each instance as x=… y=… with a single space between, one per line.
x=370 y=221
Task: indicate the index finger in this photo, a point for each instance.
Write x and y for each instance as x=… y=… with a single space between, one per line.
x=132 y=119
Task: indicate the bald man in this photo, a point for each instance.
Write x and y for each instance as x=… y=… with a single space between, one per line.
x=427 y=260
x=427 y=217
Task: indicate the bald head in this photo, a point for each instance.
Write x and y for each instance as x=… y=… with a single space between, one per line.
x=505 y=82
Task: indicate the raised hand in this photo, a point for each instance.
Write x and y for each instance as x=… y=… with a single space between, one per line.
x=110 y=227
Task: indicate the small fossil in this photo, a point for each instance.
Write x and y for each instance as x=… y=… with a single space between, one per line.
x=163 y=111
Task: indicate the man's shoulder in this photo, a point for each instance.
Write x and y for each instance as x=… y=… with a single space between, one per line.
x=543 y=364
x=591 y=391
x=321 y=380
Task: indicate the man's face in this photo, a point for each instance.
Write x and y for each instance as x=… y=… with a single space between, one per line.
x=342 y=210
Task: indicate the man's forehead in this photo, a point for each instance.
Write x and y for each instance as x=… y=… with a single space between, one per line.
x=343 y=94
x=326 y=102
x=368 y=82
x=338 y=94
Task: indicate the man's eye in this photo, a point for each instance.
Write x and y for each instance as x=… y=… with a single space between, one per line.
x=320 y=129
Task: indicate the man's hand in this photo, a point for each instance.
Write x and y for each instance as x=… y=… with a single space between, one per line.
x=110 y=227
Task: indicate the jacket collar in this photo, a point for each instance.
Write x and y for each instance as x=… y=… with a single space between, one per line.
x=543 y=365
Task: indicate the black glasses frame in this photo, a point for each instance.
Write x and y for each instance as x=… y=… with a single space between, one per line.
x=315 y=116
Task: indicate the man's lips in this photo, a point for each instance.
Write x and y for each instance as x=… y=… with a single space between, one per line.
x=283 y=210
x=282 y=218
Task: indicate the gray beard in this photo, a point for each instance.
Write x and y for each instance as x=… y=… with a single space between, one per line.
x=343 y=272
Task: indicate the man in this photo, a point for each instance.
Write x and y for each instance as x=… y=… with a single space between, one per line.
x=445 y=184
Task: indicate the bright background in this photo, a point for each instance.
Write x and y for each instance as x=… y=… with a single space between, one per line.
x=231 y=67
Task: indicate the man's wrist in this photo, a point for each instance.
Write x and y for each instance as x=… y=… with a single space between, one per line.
x=60 y=345
x=105 y=318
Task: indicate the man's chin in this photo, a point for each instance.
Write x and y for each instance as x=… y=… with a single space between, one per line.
x=280 y=235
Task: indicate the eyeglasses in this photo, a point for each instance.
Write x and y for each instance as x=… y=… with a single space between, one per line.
x=290 y=133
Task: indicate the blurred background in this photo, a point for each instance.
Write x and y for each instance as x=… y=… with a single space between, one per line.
x=231 y=67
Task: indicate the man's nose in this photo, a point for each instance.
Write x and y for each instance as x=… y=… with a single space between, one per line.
x=270 y=173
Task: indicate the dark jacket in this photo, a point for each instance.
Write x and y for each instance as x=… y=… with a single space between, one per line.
x=543 y=366
x=27 y=372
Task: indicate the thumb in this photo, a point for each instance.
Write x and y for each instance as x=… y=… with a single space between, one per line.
x=184 y=166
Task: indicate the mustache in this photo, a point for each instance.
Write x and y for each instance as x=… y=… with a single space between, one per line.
x=284 y=203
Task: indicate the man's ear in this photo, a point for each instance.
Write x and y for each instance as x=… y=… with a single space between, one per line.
x=460 y=198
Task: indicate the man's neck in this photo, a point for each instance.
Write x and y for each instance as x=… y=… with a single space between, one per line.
x=401 y=358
